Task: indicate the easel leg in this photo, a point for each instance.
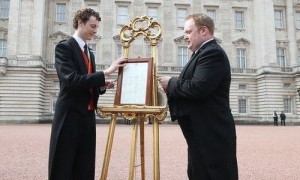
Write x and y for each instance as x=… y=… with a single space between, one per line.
x=133 y=149
x=108 y=147
x=156 y=149
x=142 y=149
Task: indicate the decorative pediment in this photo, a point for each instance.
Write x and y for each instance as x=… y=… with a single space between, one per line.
x=116 y=37
x=59 y=35
x=179 y=39
x=241 y=41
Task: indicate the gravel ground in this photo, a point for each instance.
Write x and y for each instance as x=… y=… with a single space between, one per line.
x=264 y=152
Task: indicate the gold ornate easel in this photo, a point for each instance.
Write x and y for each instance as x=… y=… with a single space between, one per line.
x=138 y=114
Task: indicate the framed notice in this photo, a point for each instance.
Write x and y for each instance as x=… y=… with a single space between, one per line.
x=134 y=86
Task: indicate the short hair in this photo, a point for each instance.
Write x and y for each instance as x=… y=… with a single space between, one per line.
x=201 y=20
x=84 y=15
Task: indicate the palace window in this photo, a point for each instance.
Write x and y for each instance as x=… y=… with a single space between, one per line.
x=242 y=106
x=122 y=15
x=182 y=55
x=239 y=20
x=297 y=19
x=242 y=86
x=4 y=8
x=281 y=60
x=279 y=23
x=241 y=58
x=61 y=12
x=152 y=12
x=287 y=105
x=3 y=44
x=212 y=14
x=181 y=14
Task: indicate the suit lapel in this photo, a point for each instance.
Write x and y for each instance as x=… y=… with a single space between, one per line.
x=78 y=53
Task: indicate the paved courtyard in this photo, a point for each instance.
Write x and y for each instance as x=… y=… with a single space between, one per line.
x=264 y=152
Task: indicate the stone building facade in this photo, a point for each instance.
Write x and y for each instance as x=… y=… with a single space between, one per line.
x=261 y=38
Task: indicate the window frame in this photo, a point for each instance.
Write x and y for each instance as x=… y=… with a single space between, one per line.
x=241 y=108
x=4 y=9
x=59 y=14
x=239 y=23
x=241 y=58
x=281 y=57
x=288 y=108
x=279 y=19
x=3 y=47
x=180 y=19
x=182 y=58
x=122 y=21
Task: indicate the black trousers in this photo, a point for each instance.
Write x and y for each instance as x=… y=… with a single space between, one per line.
x=196 y=169
x=75 y=153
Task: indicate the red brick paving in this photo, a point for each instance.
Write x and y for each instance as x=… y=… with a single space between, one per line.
x=264 y=152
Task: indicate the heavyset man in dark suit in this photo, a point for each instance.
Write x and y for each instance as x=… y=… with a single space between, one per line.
x=199 y=100
x=73 y=135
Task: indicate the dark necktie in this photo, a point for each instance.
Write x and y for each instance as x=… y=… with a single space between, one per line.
x=193 y=54
x=86 y=51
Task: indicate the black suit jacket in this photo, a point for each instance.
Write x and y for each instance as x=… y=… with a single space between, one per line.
x=202 y=93
x=75 y=85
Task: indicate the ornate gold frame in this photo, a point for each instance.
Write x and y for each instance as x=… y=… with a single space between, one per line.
x=138 y=114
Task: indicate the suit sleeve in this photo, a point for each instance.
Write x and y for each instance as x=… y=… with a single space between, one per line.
x=206 y=77
x=68 y=70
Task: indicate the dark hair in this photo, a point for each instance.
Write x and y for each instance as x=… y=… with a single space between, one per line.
x=84 y=15
x=201 y=20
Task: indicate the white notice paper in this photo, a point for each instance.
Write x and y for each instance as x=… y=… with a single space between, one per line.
x=134 y=83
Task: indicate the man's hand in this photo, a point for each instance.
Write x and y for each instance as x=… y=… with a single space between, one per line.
x=164 y=81
x=109 y=84
x=115 y=65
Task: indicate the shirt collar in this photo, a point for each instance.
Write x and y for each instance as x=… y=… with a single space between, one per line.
x=203 y=44
x=80 y=42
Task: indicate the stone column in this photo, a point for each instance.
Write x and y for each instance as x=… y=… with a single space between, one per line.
x=264 y=28
x=290 y=25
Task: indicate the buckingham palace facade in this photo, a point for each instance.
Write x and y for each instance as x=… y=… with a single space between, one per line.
x=261 y=38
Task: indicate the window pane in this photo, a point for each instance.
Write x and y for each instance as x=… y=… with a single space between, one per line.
x=212 y=14
x=94 y=7
x=152 y=12
x=4 y=9
x=182 y=56
x=241 y=58
x=122 y=17
x=281 y=57
x=297 y=19
x=239 y=18
x=61 y=12
x=287 y=85
x=242 y=86
x=242 y=106
x=2 y=48
x=181 y=14
x=287 y=103
x=278 y=19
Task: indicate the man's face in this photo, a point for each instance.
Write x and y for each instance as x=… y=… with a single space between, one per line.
x=89 y=29
x=192 y=35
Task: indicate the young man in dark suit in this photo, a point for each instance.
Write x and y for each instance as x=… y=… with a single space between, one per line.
x=73 y=135
x=199 y=100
